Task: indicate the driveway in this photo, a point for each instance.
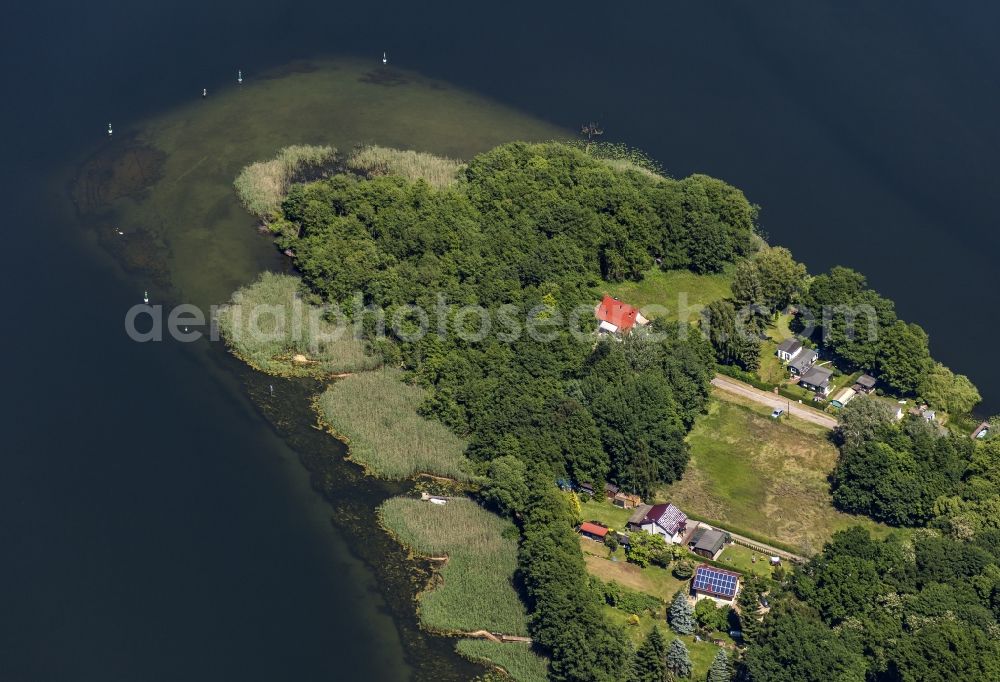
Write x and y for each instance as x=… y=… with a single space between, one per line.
x=773 y=400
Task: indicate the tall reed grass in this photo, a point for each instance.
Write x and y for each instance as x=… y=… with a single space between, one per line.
x=259 y=326
x=519 y=660
x=376 y=412
x=373 y=160
x=262 y=186
x=475 y=590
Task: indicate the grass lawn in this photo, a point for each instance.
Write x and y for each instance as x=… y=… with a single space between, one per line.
x=519 y=660
x=808 y=428
x=841 y=381
x=664 y=294
x=781 y=329
x=376 y=413
x=605 y=513
x=653 y=580
x=740 y=558
x=771 y=370
x=702 y=653
x=476 y=589
x=762 y=475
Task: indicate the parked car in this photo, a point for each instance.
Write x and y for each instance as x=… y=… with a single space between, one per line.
x=777 y=413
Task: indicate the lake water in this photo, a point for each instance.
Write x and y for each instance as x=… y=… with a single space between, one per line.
x=155 y=518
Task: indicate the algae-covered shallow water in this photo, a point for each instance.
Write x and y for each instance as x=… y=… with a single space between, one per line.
x=176 y=170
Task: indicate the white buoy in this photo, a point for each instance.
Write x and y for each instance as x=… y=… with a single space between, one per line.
x=145 y=297
x=385 y=59
x=109 y=130
x=204 y=92
x=239 y=77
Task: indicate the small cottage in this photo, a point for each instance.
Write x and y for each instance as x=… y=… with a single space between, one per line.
x=616 y=317
x=621 y=499
x=788 y=349
x=817 y=380
x=803 y=361
x=864 y=384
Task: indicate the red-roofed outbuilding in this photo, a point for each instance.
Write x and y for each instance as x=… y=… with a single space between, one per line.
x=593 y=531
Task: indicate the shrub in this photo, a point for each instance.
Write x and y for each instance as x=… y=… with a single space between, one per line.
x=642 y=547
x=683 y=570
x=710 y=616
x=624 y=599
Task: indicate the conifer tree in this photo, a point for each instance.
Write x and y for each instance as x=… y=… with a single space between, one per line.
x=681 y=614
x=721 y=670
x=678 y=659
x=649 y=664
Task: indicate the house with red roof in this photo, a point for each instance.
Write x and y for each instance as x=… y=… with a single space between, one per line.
x=617 y=317
x=715 y=583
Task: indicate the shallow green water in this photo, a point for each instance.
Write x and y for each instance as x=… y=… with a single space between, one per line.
x=209 y=244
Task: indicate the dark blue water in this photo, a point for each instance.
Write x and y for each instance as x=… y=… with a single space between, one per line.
x=154 y=526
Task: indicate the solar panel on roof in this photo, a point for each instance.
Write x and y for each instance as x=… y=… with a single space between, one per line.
x=715 y=581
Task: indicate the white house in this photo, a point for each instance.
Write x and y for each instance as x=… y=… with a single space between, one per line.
x=662 y=519
x=788 y=349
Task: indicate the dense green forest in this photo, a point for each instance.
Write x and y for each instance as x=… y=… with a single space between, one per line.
x=528 y=235
x=529 y=232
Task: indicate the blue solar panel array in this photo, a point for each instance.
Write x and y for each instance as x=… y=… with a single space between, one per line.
x=714 y=581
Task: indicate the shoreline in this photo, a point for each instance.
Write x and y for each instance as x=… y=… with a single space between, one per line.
x=431 y=565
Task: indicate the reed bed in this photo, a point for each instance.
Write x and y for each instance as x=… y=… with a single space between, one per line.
x=376 y=413
x=519 y=660
x=262 y=186
x=373 y=160
x=475 y=590
x=267 y=325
